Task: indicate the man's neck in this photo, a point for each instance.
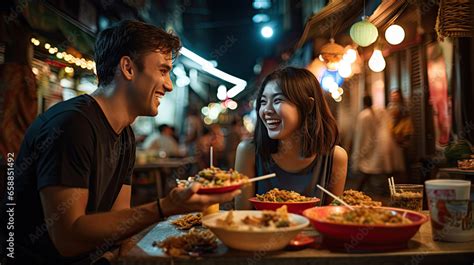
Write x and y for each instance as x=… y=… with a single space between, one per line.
x=115 y=107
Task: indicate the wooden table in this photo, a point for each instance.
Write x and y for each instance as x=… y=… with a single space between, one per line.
x=421 y=250
x=157 y=166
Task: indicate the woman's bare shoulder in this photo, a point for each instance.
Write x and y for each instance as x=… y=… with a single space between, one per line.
x=245 y=158
x=340 y=155
x=246 y=146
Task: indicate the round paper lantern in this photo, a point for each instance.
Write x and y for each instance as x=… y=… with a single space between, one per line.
x=394 y=34
x=364 y=33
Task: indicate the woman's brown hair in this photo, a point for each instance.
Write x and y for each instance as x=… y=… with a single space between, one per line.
x=319 y=133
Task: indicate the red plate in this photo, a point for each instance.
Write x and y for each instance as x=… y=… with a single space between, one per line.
x=351 y=237
x=215 y=190
x=301 y=240
x=293 y=207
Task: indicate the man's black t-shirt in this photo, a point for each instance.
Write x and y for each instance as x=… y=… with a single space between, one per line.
x=73 y=145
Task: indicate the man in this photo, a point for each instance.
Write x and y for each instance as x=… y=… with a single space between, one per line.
x=368 y=155
x=164 y=141
x=74 y=168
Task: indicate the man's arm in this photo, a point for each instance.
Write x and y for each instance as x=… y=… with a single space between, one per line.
x=123 y=199
x=74 y=232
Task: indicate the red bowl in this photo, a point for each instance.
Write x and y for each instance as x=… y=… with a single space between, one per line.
x=293 y=207
x=351 y=237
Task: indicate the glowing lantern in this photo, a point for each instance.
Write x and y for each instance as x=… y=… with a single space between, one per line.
x=350 y=56
x=376 y=61
x=331 y=79
x=395 y=34
x=332 y=53
x=364 y=33
x=345 y=69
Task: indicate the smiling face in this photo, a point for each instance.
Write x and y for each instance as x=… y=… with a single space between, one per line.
x=150 y=83
x=278 y=114
x=300 y=112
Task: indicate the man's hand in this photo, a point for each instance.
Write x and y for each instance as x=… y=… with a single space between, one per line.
x=184 y=200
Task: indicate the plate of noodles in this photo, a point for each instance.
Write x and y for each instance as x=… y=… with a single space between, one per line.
x=356 y=198
x=216 y=180
x=276 y=198
x=365 y=228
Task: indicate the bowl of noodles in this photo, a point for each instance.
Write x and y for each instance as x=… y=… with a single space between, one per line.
x=256 y=230
x=365 y=228
x=276 y=198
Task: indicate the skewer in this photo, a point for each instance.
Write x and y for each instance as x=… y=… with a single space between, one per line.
x=211 y=156
x=335 y=197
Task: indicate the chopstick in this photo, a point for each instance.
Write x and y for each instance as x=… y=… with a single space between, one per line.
x=390 y=186
x=262 y=177
x=179 y=181
x=404 y=215
x=391 y=183
x=335 y=197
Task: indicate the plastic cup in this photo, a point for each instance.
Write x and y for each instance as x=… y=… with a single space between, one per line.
x=448 y=189
x=450 y=209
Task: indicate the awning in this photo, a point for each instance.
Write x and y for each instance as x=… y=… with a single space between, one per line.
x=339 y=15
x=44 y=18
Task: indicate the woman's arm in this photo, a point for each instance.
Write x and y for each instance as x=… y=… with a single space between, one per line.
x=245 y=164
x=339 y=172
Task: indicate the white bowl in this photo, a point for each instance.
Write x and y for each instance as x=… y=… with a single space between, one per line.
x=264 y=239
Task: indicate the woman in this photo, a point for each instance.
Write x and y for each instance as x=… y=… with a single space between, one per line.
x=401 y=125
x=401 y=129
x=295 y=137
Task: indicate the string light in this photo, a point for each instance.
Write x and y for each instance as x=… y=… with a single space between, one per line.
x=350 y=56
x=345 y=69
x=69 y=70
x=82 y=62
x=35 y=41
